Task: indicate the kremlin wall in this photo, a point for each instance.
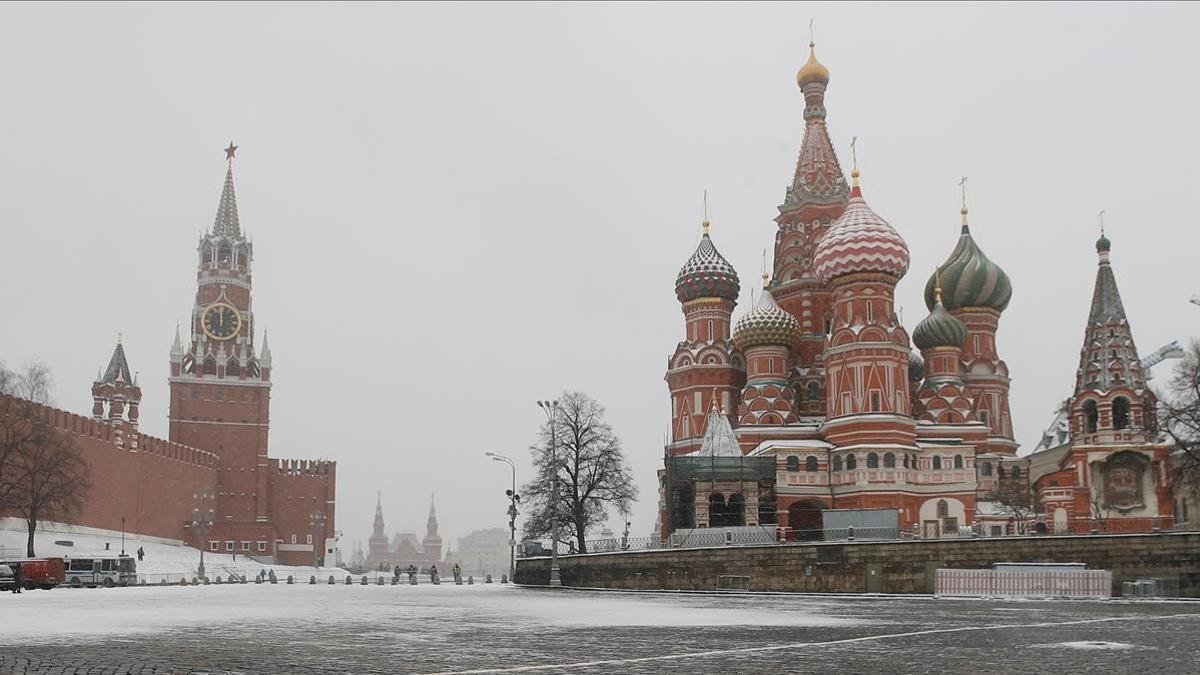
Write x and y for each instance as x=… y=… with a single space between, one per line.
x=214 y=469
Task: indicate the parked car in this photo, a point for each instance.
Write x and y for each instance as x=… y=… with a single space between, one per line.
x=44 y=573
x=7 y=578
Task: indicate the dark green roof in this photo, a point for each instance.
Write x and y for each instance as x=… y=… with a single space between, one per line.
x=970 y=279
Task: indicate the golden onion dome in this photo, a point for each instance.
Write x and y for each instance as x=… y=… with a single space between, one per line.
x=813 y=71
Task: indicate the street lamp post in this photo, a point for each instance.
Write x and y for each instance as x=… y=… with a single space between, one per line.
x=202 y=522
x=513 y=498
x=317 y=520
x=122 y=535
x=551 y=410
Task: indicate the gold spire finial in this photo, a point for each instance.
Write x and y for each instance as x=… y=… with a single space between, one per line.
x=715 y=405
x=765 y=277
x=120 y=336
x=962 y=185
x=812 y=40
x=705 y=221
x=1101 y=217
x=937 y=285
x=854 y=159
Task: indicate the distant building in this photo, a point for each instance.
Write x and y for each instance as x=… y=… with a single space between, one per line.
x=404 y=548
x=484 y=552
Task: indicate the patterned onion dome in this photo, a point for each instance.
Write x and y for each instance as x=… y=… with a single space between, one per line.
x=860 y=241
x=969 y=279
x=1103 y=245
x=707 y=274
x=766 y=324
x=939 y=329
x=916 y=367
x=813 y=70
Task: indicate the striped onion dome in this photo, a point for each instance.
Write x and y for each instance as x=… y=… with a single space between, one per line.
x=707 y=274
x=969 y=279
x=860 y=241
x=939 y=329
x=766 y=324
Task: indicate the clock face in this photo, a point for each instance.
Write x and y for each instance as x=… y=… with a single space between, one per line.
x=221 y=321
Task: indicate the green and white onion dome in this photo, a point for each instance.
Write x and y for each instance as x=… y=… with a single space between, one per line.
x=970 y=279
x=707 y=274
x=766 y=324
x=939 y=329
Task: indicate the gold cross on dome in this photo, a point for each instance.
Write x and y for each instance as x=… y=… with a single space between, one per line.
x=854 y=151
x=962 y=185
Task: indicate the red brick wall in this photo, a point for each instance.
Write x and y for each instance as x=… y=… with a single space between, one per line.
x=300 y=488
x=152 y=487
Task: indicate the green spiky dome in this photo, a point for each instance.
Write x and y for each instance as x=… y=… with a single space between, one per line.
x=1103 y=245
x=916 y=367
x=970 y=279
x=939 y=329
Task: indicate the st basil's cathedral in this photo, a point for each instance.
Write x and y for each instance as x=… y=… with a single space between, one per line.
x=839 y=407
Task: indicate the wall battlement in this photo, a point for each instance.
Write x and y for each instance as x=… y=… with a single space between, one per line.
x=303 y=467
x=101 y=430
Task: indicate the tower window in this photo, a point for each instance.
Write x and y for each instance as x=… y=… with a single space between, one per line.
x=889 y=461
x=224 y=254
x=1091 y=417
x=710 y=331
x=872 y=460
x=958 y=461
x=810 y=464
x=875 y=403
x=1120 y=413
x=793 y=463
x=870 y=312
x=851 y=462
x=937 y=462
x=976 y=343
x=837 y=463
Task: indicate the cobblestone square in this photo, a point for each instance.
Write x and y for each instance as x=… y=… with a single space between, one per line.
x=481 y=628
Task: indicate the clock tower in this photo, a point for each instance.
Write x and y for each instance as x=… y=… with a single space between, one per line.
x=220 y=385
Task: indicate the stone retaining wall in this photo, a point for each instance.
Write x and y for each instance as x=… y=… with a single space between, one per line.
x=871 y=567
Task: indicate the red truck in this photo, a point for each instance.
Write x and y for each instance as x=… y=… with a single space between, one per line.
x=45 y=573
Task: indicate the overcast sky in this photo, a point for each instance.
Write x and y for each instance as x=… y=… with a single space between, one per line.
x=458 y=210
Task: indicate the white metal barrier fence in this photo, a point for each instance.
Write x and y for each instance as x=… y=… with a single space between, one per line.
x=1024 y=584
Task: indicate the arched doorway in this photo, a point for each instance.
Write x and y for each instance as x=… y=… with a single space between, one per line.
x=804 y=518
x=716 y=510
x=735 y=511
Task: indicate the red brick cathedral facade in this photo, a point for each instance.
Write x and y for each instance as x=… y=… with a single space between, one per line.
x=820 y=376
x=215 y=463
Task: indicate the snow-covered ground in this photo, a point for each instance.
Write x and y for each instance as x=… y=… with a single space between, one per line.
x=163 y=560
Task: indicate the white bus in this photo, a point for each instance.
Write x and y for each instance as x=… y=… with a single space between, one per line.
x=103 y=569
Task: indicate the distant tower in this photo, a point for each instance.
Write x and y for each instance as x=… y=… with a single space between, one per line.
x=704 y=363
x=432 y=543
x=116 y=392
x=975 y=290
x=377 y=544
x=817 y=196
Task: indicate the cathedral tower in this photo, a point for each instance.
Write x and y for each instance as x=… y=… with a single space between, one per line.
x=817 y=195
x=861 y=258
x=377 y=544
x=704 y=364
x=220 y=386
x=765 y=337
x=975 y=290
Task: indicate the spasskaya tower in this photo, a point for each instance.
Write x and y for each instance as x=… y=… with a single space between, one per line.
x=221 y=385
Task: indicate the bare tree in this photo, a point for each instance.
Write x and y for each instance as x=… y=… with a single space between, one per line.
x=592 y=469
x=42 y=472
x=50 y=480
x=1179 y=411
x=1016 y=496
x=20 y=424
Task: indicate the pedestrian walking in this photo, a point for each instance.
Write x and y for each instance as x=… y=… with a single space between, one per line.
x=17 y=583
x=141 y=553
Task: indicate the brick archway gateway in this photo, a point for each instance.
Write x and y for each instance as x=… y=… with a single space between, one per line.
x=804 y=518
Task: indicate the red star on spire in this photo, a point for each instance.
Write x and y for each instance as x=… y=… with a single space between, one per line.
x=230 y=150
